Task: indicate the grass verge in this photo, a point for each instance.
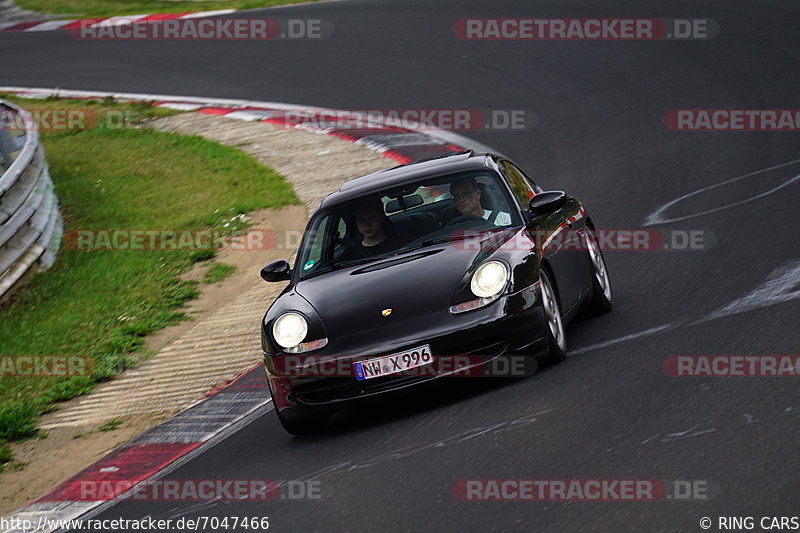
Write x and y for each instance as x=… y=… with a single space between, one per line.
x=111 y=425
x=107 y=8
x=217 y=272
x=5 y=454
x=100 y=304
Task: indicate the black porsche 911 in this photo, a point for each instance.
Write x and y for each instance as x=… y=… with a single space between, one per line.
x=441 y=267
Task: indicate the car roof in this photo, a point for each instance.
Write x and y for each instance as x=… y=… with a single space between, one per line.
x=410 y=172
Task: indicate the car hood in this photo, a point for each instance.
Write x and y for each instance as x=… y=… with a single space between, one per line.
x=410 y=285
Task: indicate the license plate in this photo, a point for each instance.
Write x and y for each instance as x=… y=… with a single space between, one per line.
x=390 y=364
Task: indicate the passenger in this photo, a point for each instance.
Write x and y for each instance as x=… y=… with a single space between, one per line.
x=467 y=197
x=376 y=235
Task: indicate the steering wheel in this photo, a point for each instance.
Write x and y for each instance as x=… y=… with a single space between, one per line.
x=463 y=218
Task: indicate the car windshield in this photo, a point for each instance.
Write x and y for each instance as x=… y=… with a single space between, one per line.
x=401 y=219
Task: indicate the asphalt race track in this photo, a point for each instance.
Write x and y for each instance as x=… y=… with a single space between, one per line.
x=610 y=411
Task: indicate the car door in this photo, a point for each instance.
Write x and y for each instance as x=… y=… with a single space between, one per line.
x=561 y=231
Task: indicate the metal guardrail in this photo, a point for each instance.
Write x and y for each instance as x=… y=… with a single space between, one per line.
x=30 y=224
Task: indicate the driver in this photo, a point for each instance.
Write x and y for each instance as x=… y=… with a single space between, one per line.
x=375 y=229
x=467 y=197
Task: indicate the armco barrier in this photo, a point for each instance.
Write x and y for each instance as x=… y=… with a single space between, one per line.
x=30 y=224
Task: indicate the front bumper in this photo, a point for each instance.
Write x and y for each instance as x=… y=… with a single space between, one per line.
x=462 y=345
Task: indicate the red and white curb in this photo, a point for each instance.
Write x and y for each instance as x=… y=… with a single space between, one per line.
x=51 y=25
x=395 y=140
x=150 y=455
x=177 y=440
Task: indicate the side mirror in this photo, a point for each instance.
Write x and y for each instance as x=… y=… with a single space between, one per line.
x=276 y=271
x=547 y=202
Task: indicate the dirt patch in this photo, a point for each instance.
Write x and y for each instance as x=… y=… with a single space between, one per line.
x=248 y=265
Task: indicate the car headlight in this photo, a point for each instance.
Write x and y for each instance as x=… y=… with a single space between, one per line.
x=289 y=329
x=308 y=346
x=489 y=280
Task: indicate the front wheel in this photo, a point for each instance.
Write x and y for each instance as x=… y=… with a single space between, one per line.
x=557 y=339
x=602 y=298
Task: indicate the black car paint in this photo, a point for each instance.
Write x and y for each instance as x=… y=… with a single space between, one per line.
x=345 y=305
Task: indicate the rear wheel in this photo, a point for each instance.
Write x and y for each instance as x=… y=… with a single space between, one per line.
x=602 y=298
x=556 y=337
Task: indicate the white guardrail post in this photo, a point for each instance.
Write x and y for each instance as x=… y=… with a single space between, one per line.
x=30 y=224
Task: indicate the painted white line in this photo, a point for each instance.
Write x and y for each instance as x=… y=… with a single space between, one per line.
x=657 y=216
x=250 y=116
x=612 y=342
x=782 y=285
x=118 y=21
x=181 y=106
x=215 y=13
x=50 y=25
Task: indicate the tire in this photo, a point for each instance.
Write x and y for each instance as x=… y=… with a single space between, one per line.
x=602 y=296
x=556 y=338
x=302 y=426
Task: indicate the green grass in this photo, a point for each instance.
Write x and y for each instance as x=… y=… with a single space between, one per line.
x=5 y=452
x=18 y=417
x=203 y=255
x=217 y=272
x=101 y=304
x=95 y=114
x=111 y=425
x=103 y=8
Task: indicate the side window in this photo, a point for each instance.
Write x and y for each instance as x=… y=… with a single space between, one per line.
x=320 y=236
x=523 y=188
x=528 y=180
